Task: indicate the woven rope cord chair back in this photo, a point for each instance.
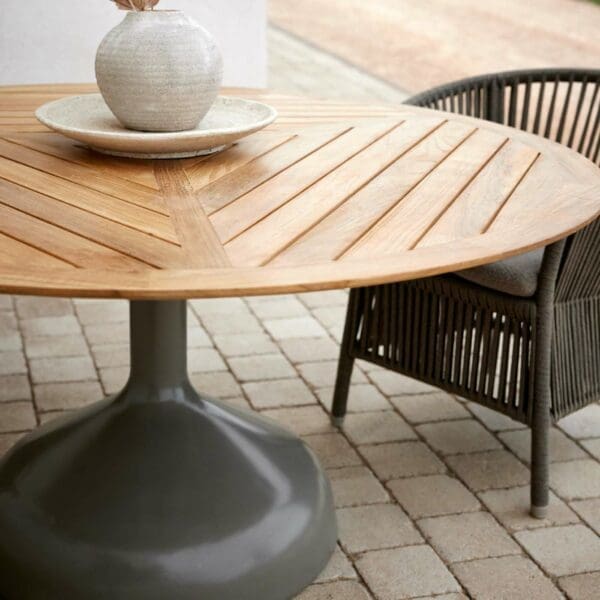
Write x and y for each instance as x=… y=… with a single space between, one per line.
x=531 y=358
x=562 y=105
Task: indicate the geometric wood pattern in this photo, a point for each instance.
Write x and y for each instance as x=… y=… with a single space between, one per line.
x=331 y=195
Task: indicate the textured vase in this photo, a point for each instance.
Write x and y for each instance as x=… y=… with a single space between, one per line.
x=159 y=71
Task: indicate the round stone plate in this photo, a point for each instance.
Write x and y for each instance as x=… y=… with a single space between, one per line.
x=88 y=119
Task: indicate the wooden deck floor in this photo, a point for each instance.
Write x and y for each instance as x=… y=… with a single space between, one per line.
x=414 y=44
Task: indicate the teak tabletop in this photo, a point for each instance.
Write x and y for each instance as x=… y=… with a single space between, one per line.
x=331 y=195
x=190 y=497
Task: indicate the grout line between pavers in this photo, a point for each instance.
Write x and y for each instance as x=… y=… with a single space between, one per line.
x=34 y=405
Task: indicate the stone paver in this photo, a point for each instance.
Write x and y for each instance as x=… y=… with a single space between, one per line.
x=221 y=384
x=56 y=345
x=260 y=368
x=426 y=408
x=302 y=420
x=487 y=470
x=433 y=495
x=198 y=338
x=60 y=369
x=406 y=573
x=581 y=587
x=348 y=590
x=394 y=384
x=492 y=419
x=16 y=416
x=508 y=577
x=589 y=511
x=244 y=344
x=10 y=341
x=50 y=326
x=333 y=450
x=12 y=363
x=14 y=387
x=296 y=327
x=458 y=437
x=585 y=423
x=242 y=322
x=322 y=374
x=576 y=479
x=67 y=396
x=328 y=298
x=92 y=313
x=281 y=392
x=111 y=355
x=202 y=360
x=377 y=427
x=30 y=307
x=113 y=379
x=593 y=447
x=313 y=349
x=563 y=550
x=363 y=397
x=279 y=308
x=511 y=508
x=107 y=333
x=219 y=306
x=375 y=527
x=353 y=486
x=467 y=536
x=561 y=447
x=406 y=459
x=339 y=567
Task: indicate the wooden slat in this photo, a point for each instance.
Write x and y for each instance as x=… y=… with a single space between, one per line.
x=248 y=209
x=15 y=253
x=331 y=237
x=68 y=247
x=57 y=145
x=474 y=209
x=94 y=202
x=33 y=128
x=557 y=203
x=281 y=228
x=84 y=176
x=424 y=205
x=220 y=193
x=122 y=239
x=212 y=168
x=200 y=243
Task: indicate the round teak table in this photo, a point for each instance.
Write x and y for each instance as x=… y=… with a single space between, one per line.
x=160 y=492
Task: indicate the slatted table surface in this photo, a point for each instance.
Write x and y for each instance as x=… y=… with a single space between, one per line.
x=331 y=195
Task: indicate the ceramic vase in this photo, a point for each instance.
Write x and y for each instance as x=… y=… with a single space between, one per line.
x=159 y=71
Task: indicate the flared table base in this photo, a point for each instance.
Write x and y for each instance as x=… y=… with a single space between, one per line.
x=162 y=494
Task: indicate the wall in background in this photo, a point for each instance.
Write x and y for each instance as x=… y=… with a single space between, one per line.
x=46 y=41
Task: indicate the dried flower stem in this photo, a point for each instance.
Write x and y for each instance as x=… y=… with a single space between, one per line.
x=136 y=5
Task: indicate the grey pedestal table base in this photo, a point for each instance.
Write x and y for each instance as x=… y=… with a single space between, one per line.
x=161 y=494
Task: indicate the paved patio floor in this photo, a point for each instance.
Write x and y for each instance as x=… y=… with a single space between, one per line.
x=415 y=44
x=432 y=492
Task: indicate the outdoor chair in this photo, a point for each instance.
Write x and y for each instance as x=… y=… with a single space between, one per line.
x=521 y=336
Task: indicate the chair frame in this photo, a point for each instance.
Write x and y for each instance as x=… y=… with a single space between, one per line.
x=533 y=359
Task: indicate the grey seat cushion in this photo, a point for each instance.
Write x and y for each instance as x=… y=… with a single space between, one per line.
x=517 y=276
